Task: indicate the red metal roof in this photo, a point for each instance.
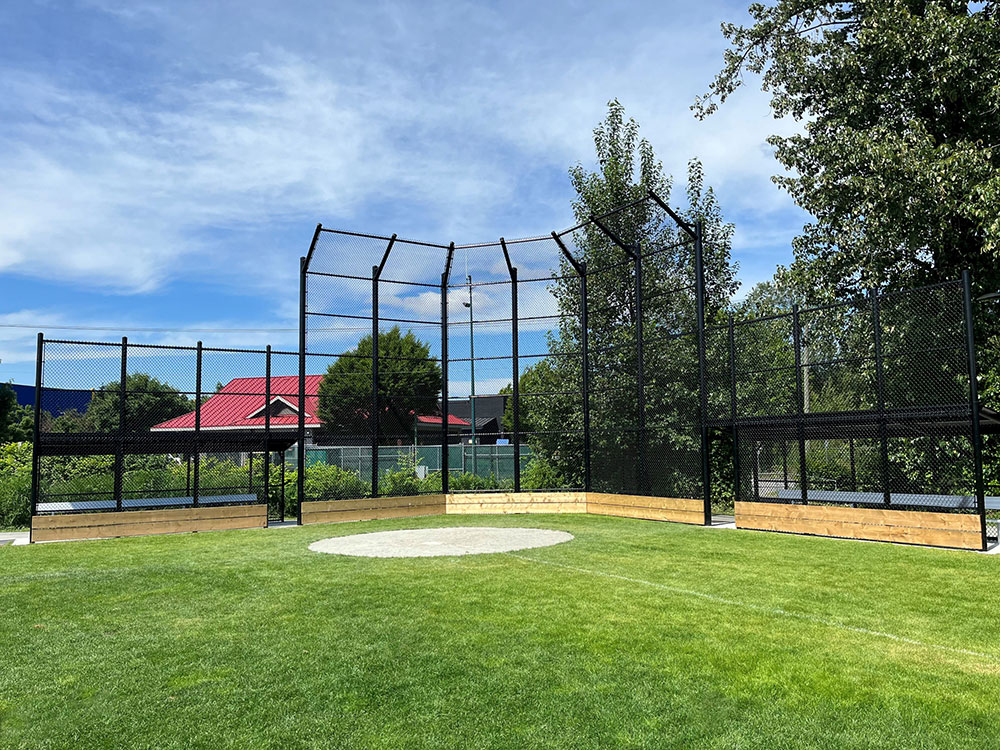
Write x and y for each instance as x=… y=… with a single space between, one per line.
x=452 y=420
x=232 y=407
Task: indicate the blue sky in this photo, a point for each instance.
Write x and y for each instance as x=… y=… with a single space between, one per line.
x=163 y=165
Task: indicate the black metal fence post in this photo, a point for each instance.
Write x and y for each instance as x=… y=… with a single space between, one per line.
x=800 y=405
x=640 y=379
x=585 y=381
x=267 y=428
x=36 y=430
x=854 y=466
x=300 y=478
x=880 y=396
x=445 y=277
x=375 y=400
x=196 y=485
x=977 y=438
x=122 y=416
x=581 y=271
x=281 y=500
x=756 y=470
x=300 y=456
x=515 y=378
x=732 y=407
x=699 y=280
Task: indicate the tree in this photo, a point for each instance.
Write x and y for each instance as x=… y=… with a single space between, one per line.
x=22 y=425
x=148 y=402
x=8 y=409
x=898 y=159
x=409 y=384
x=627 y=170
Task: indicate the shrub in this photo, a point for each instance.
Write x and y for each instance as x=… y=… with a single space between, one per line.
x=403 y=479
x=466 y=482
x=331 y=482
x=541 y=475
x=15 y=484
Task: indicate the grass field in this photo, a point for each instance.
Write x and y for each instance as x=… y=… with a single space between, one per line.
x=635 y=634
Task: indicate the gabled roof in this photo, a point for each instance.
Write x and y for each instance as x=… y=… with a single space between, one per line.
x=232 y=407
x=235 y=405
x=452 y=420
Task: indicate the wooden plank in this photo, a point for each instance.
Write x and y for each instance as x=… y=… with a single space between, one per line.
x=513 y=508
x=126 y=527
x=460 y=498
x=321 y=506
x=73 y=520
x=504 y=503
x=877 y=517
x=371 y=514
x=909 y=535
x=646 y=501
x=649 y=514
x=144 y=529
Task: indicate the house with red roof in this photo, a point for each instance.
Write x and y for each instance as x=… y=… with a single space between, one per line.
x=242 y=405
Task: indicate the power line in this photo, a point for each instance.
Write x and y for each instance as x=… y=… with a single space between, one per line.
x=44 y=327
x=149 y=330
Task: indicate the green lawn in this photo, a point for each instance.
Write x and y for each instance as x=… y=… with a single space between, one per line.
x=635 y=634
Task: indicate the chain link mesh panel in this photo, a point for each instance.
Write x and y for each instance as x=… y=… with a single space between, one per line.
x=863 y=403
x=152 y=433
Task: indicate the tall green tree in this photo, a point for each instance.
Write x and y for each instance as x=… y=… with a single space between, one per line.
x=898 y=159
x=627 y=170
x=409 y=383
x=148 y=402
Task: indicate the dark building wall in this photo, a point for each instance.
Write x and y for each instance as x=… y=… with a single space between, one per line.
x=56 y=402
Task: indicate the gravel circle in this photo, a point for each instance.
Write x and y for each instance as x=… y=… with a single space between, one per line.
x=441 y=542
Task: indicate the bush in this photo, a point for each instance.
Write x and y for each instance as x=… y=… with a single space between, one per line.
x=466 y=482
x=398 y=483
x=402 y=480
x=331 y=482
x=15 y=500
x=15 y=484
x=541 y=475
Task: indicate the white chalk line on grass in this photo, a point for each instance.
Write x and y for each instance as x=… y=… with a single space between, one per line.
x=760 y=608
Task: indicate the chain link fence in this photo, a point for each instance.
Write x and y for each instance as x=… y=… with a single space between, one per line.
x=164 y=427
x=866 y=403
x=578 y=360
x=568 y=361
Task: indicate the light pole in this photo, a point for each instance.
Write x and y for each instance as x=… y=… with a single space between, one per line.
x=472 y=375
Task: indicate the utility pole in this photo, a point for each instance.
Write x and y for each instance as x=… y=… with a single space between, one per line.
x=472 y=375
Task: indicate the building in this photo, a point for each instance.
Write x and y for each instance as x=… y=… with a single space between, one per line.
x=489 y=417
x=242 y=405
x=56 y=401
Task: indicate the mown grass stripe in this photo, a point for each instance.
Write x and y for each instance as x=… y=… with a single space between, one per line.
x=776 y=611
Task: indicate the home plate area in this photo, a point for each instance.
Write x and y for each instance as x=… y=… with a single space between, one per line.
x=440 y=542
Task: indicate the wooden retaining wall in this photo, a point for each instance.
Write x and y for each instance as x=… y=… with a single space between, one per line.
x=875 y=524
x=517 y=502
x=911 y=527
x=371 y=509
x=143 y=522
x=682 y=510
x=677 y=509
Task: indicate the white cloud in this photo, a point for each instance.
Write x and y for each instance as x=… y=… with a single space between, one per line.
x=453 y=110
